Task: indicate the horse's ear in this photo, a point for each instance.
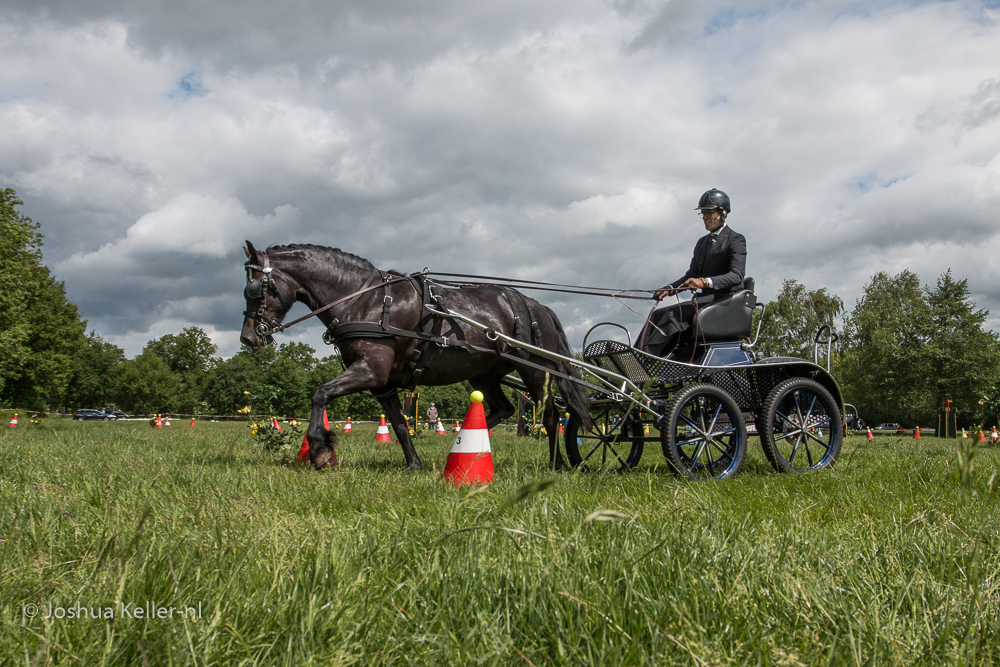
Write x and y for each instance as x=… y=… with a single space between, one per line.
x=250 y=251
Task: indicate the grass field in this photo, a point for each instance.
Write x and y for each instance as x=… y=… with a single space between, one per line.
x=893 y=557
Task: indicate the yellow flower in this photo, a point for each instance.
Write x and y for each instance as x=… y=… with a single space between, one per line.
x=246 y=393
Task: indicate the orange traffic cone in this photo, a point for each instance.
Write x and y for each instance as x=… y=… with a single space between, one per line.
x=982 y=436
x=304 y=450
x=994 y=436
x=159 y=421
x=458 y=426
x=871 y=436
x=192 y=422
x=916 y=433
x=439 y=429
x=347 y=426
x=13 y=422
x=275 y=424
x=470 y=460
x=382 y=432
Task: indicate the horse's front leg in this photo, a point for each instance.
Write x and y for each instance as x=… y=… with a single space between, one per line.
x=323 y=442
x=394 y=411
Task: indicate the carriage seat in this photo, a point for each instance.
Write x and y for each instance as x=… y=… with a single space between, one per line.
x=728 y=318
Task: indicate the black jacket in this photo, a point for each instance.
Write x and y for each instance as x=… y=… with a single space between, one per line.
x=724 y=261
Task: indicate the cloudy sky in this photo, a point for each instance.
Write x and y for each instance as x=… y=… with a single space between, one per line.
x=566 y=140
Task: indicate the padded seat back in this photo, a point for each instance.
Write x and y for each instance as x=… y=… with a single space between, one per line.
x=728 y=318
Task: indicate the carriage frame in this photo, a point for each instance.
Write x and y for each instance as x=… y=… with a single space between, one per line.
x=702 y=402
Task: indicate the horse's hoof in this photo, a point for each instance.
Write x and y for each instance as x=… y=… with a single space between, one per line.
x=417 y=466
x=324 y=458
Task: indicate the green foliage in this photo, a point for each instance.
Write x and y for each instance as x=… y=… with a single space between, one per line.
x=147 y=385
x=98 y=374
x=793 y=318
x=40 y=331
x=908 y=349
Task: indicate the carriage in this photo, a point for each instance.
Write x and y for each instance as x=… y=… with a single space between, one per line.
x=703 y=401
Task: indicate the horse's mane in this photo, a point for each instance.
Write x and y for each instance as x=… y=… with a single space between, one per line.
x=336 y=253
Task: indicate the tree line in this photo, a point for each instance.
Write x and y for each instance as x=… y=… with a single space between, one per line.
x=901 y=352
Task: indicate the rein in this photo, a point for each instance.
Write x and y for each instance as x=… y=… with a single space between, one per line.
x=275 y=327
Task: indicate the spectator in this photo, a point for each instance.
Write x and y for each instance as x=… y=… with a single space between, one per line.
x=432 y=414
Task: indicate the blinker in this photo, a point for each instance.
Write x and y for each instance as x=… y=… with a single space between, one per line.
x=254 y=289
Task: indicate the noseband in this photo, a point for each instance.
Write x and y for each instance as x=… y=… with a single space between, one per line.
x=257 y=289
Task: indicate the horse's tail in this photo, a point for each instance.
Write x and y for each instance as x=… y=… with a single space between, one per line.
x=573 y=393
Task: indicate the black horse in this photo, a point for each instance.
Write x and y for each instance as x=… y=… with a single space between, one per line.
x=388 y=340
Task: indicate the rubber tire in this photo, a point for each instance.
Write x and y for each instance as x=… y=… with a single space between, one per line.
x=631 y=459
x=677 y=459
x=766 y=427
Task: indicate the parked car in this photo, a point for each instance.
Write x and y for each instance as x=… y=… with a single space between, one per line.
x=100 y=414
x=887 y=427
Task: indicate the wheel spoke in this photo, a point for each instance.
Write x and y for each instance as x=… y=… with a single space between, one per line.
x=715 y=418
x=819 y=440
x=809 y=412
x=795 y=447
x=788 y=435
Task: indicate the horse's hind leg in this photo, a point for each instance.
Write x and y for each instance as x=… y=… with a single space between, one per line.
x=500 y=406
x=535 y=381
x=394 y=411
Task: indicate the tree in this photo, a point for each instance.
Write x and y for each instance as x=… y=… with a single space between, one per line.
x=190 y=350
x=960 y=356
x=911 y=349
x=793 y=318
x=40 y=331
x=98 y=374
x=147 y=385
x=188 y=355
x=883 y=367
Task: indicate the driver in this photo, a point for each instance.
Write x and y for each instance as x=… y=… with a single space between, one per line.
x=717 y=267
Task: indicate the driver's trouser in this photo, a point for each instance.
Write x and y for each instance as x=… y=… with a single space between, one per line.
x=666 y=325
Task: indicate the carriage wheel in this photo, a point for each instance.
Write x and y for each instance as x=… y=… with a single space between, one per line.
x=801 y=428
x=605 y=446
x=704 y=435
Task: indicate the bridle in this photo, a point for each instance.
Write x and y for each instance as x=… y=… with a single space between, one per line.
x=257 y=289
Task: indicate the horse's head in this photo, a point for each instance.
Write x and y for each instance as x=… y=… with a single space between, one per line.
x=268 y=296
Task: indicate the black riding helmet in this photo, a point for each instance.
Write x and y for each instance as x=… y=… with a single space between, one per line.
x=714 y=198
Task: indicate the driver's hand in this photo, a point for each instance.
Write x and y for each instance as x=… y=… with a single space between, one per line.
x=664 y=292
x=694 y=283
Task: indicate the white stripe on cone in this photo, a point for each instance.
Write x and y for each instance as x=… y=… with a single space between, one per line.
x=439 y=429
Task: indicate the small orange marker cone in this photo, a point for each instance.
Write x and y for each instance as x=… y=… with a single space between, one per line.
x=871 y=436
x=439 y=429
x=382 y=432
x=916 y=433
x=275 y=424
x=304 y=450
x=13 y=422
x=458 y=426
x=159 y=421
x=192 y=422
x=470 y=460
x=347 y=426
x=982 y=436
x=994 y=436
